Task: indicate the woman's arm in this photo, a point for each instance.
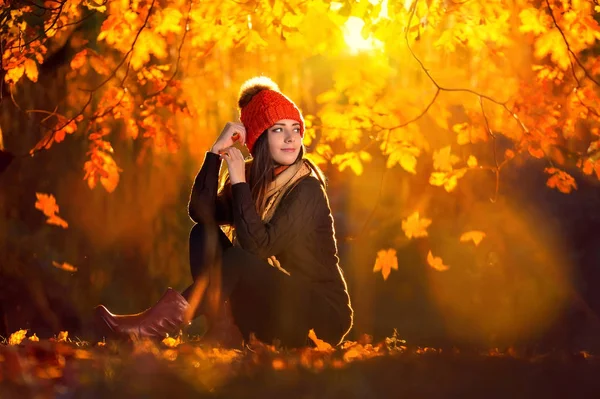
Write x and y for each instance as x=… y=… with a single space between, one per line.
x=204 y=201
x=294 y=214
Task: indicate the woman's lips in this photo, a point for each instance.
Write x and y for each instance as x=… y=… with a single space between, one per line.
x=288 y=150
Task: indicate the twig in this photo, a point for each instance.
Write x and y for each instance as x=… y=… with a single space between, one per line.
x=185 y=31
x=577 y=60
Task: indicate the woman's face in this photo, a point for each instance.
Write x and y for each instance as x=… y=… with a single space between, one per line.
x=285 y=141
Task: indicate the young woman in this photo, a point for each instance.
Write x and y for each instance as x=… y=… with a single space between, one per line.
x=278 y=276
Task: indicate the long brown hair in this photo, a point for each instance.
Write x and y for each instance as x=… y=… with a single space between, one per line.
x=260 y=170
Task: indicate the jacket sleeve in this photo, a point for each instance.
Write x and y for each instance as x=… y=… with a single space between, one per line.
x=292 y=216
x=204 y=201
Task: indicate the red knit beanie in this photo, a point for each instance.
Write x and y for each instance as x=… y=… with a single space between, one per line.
x=261 y=104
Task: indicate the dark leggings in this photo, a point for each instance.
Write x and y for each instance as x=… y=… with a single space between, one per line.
x=264 y=300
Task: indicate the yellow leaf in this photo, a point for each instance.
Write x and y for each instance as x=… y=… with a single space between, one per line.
x=443 y=159
x=31 y=70
x=466 y=133
x=64 y=266
x=385 y=262
x=34 y=338
x=14 y=74
x=321 y=345
x=170 y=21
x=351 y=159
x=17 y=337
x=552 y=43
x=472 y=161
x=405 y=158
x=436 y=262
x=447 y=179
x=172 y=342
x=62 y=336
x=414 y=226
x=533 y=20
x=475 y=236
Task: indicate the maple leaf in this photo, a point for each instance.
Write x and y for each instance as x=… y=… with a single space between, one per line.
x=17 y=337
x=414 y=226
x=64 y=266
x=447 y=179
x=443 y=159
x=34 y=338
x=353 y=160
x=47 y=204
x=475 y=236
x=467 y=133
x=534 y=20
x=172 y=342
x=436 y=262
x=385 y=262
x=322 y=346
x=560 y=180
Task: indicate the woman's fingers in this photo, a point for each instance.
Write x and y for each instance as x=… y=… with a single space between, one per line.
x=231 y=153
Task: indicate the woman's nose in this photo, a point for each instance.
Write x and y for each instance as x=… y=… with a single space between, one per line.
x=289 y=137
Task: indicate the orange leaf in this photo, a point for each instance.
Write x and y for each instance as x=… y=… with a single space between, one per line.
x=17 y=337
x=415 y=227
x=385 y=262
x=47 y=204
x=475 y=236
x=64 y=266
x=321 y=345
x=436 y=262
x=560 y=180
x=536 y=152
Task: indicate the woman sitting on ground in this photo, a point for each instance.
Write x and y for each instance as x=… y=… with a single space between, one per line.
x=279 y=276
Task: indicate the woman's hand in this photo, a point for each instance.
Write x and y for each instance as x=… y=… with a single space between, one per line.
x=232 y=132
x=235 y=164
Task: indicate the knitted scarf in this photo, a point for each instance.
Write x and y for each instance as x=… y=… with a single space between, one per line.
x=277 y=189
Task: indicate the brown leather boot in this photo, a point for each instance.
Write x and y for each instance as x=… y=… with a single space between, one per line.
x=167 y=316
x=222 y=330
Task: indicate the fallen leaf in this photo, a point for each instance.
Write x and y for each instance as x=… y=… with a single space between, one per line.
x=34 y=338
x=47 y=204
x=385 y=262
x=414 y=226
x=172 y=342
x=321 y=345
x=17 y=337
x=436 y=262
x=62 y=336
x=64 y=266
x=475 y=236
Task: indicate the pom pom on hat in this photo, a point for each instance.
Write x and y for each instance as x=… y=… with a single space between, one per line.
x=253 y=86
x=261 y=104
